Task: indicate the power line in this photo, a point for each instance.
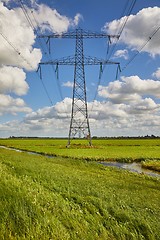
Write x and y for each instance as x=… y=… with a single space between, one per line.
x=15 y=49
x=141 y=48
x=128 y=15
x=79 y=123
x=34 y=30
x=55 y=70
x=26 y=14
x=19 y=54
x=46 y=54
x=119 y=34
x=39 y=40
x=29 y=20
x=121 y=28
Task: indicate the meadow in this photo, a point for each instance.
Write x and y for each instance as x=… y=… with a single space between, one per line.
x=122 y=150
x=65 y=198
x=70 y=196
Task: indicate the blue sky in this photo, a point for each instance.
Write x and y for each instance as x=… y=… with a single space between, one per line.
x=128 y=105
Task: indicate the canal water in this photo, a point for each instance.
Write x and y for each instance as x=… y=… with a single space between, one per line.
x=133 y=167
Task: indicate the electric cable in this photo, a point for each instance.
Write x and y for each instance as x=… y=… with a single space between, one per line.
x=34 y=30
x=41 y=45
x=15 y=49
x=19 y=54
x=39 y=40
x=48 y=56
x=53 y=68
x=121 y=28
x=141 y=48
x=119 y=34
x=31 y=24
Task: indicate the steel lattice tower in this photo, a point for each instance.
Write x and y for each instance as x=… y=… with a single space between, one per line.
x=79 y=118
x=79 y=124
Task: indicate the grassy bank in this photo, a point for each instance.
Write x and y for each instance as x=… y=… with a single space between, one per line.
x=152 y=165
x=57 y=198
x=122 y=150
x=117 y=149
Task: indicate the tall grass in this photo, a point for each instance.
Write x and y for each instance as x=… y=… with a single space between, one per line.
x=151 y=164
x=117 y=149
x=57 y=198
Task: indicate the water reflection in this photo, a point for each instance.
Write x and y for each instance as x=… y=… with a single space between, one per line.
x=133 y=167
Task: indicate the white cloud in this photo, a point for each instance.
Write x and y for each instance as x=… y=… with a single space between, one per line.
x=12 y=105
x=68 y=84
x=105 y=110
x=59 y=110
x=50 y=19
x=47 y=121
x=142 y=106
x=106 y=119
x=17 y=51
x=121 y=54
x=12 y=80
x=64 y=106
x=5 y=1
x=130 y=106
x=157 y=74
x=77 y=18
x=138 y=29
x=33 y=2
x=130 y=89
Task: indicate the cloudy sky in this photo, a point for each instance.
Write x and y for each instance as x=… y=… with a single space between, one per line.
x=128 y=105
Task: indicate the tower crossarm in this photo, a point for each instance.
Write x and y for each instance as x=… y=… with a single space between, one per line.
x=79 y=123
x=84 y=34
x=96 y=61
x=71 y=60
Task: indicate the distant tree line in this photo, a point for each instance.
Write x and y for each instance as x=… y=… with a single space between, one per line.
x=127 y=137
x=94 y=137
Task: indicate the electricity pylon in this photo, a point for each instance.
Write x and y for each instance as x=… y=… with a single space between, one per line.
x=79 y=124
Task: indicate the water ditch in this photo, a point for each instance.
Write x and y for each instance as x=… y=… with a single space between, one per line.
x=132 y=167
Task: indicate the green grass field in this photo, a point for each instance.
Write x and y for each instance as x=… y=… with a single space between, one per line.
x=63 y=198
x=122 y=150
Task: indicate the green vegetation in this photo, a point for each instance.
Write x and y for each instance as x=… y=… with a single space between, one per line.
x=152 y=164
x=122 y=150
x=62 y=198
